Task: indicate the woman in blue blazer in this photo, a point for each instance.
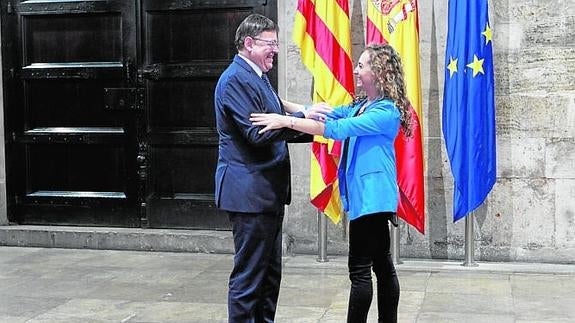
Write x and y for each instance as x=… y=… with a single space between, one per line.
x=367 y=172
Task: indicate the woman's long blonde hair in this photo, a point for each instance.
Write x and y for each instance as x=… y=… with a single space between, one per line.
x=386 y=65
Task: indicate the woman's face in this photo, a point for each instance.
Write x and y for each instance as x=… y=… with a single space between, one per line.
x=364 y=75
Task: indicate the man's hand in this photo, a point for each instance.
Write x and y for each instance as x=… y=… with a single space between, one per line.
x=318 y=111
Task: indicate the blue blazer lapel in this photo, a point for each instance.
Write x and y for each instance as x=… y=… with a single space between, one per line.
x=353 y=140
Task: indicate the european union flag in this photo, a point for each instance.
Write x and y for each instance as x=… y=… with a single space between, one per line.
x=469 y=104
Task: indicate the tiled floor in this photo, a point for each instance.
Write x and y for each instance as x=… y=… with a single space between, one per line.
x=72 y=285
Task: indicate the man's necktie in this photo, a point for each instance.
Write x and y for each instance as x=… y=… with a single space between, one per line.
x=270 y=87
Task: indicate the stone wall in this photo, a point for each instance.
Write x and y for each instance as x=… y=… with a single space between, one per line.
x=530 y=214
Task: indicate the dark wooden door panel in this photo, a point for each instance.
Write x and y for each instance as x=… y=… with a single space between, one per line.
x=171 y=108
x=88 y=37
x=62 y=103
x=76 y=160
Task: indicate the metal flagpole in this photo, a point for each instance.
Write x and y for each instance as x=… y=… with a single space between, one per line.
x=394 y=244
x=469 y=242
x=322 y=237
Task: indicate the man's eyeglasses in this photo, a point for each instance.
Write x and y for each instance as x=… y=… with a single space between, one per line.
x=270 y=43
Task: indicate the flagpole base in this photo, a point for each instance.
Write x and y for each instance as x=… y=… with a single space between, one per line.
x=469 y=242
x=322 y=237
x=394 y=245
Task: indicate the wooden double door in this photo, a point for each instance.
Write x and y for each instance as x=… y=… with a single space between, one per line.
x=108 y=109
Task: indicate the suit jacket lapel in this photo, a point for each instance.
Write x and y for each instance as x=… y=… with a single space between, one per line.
x=272 y=100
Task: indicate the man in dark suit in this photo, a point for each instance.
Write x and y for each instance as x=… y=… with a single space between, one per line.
x=253 y=171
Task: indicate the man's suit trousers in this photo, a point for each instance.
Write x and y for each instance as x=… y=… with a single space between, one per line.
x=255 y=279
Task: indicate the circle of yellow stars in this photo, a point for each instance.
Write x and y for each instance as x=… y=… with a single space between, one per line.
x=477 y=64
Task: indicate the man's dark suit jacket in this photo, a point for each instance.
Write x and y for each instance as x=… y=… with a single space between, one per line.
x=253 y=171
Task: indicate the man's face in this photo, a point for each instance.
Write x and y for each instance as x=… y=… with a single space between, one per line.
x=262 y=49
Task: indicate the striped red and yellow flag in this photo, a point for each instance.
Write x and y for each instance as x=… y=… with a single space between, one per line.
x=322 y=31
x=396 y=22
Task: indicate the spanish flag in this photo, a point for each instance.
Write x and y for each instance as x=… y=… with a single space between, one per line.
x=396 y=22
x=322 y=31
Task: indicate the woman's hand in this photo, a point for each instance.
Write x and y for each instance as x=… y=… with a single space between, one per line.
x=318 y=111
x=270 y=121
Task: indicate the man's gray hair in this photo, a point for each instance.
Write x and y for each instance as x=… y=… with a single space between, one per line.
x=252 y=26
